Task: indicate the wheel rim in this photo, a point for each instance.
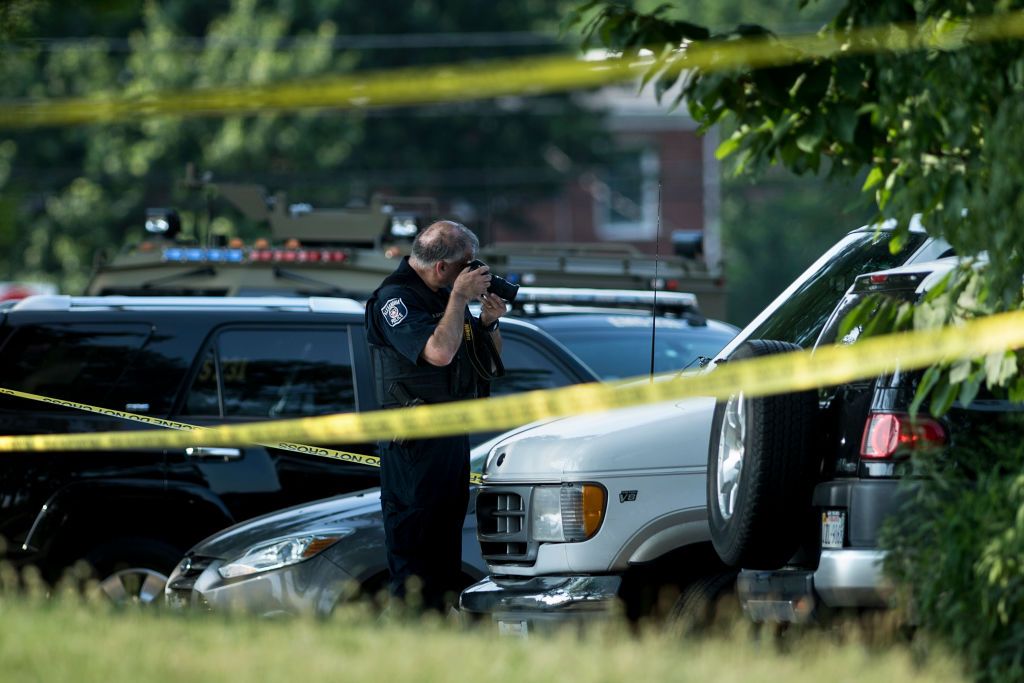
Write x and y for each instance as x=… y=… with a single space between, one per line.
x=138 y=586
x=730 y=454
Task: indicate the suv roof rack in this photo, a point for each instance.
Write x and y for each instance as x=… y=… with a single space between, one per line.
x=64 y=302
x=683 y=304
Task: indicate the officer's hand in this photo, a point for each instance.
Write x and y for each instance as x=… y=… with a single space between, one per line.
x=472 y=284
x=493 y=308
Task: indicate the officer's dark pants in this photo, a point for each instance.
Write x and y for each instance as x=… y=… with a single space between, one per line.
x=424 y=496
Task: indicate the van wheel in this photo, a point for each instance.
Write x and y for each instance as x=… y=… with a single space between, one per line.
x=707 y=603
x=761 y=470
x=133 y=571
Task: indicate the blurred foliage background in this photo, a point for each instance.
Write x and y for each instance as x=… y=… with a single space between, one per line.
x=70 y=194
x=71 y=191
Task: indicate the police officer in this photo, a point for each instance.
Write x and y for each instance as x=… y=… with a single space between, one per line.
x=428 y=348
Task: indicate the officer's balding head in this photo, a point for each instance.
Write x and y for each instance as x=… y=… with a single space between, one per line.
x=446 y=241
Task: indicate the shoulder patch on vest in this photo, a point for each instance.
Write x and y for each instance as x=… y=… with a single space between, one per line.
x=394 y=311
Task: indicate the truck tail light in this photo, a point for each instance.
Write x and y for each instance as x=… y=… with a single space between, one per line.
x=887 y=435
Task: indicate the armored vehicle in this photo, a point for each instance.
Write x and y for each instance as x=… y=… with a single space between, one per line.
x=346 y=252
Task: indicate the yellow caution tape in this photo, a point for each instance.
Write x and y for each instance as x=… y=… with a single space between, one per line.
x=783 y=373
x=320 y=451
x=528 y=76
x=358 y=458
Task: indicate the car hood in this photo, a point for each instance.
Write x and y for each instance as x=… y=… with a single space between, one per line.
x=351 y=509
x=650 y=437
x=360 y=509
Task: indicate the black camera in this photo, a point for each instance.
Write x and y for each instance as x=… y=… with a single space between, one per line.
x=499 y=285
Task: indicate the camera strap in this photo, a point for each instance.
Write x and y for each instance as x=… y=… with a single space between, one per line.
x=483 y=355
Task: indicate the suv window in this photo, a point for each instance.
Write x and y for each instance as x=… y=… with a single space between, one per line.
x=800 y=318
x=627 y=353
x=527 y=369
x=278 y=373
x=829 y=335
x=80 y=363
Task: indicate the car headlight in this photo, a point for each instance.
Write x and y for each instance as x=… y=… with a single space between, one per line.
x=566 y=513
x=279 y=553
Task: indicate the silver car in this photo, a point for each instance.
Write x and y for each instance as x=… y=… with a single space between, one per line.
x=303 y=560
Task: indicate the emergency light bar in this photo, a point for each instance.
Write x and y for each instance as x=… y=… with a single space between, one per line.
x=234 y=255
x=202 y=255
x=678 y=302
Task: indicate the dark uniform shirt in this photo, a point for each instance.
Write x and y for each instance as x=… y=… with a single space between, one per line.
x=400 y=317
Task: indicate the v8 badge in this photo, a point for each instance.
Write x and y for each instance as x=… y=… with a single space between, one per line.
x=627 y=496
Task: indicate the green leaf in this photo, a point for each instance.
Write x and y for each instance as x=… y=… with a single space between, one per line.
x=932 y=314
x=1000 y=367
x=857 y=317
x=655 y=69
x=938 y=288
x=808 y=142
x=844 y=122
x=782 y=129
x=904 y=318
x=897 y=242
x=943 y=396
x=969 y=388
x=1016 y=392
x=814 y=132
x=874 y=177
x=727 y=147
x=882 y=197
x=667 y=80
x=960 y=370
x=796 y=86
x=928 y=380
x=572 y=18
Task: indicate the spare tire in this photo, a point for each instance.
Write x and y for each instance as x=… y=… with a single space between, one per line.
x=761 y=470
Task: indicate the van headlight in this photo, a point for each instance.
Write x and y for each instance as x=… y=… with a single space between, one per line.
x=566 y=513
x=280 y=553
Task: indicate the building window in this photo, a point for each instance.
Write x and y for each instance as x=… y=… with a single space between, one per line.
x=626 y=203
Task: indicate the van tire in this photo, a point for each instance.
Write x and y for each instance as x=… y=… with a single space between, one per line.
x=761 y=470
x=705 y=604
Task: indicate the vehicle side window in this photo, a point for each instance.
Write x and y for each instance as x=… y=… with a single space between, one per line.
x=81 y=363
x=526 y=369
x=830 y=333
x=628 y=353
x=800 y=319
x=204 y=397
x=274 y=374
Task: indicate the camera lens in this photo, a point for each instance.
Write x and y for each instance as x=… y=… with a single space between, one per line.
x=503 y=288
x=499 y=285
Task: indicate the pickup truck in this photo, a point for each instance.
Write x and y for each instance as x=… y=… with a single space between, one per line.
x=605 y=513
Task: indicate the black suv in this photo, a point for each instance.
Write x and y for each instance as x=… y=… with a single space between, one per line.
x=202 y=361
x=800 y=486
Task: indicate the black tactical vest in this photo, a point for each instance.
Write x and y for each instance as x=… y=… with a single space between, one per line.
x=397 y=379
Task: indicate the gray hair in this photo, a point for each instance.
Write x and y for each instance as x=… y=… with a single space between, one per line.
x=444 y=241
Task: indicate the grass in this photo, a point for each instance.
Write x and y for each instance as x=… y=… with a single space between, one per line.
x=69 y=640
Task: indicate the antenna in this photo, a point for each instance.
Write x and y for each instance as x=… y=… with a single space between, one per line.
x=654 y=301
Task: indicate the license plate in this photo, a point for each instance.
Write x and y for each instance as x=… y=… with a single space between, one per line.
x=833 y=524
x=512 y=628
